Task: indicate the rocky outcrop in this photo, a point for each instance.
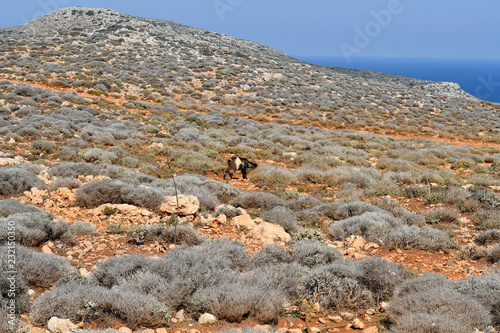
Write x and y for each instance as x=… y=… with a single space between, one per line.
x=188 y=205
x=270 y=233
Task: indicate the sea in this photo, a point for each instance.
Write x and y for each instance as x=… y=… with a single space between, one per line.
x=478 y=77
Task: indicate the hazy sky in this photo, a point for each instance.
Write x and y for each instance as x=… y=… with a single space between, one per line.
x=399 y=28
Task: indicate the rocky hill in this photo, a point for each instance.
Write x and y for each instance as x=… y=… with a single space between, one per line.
x=103 y=52
x=115 y=132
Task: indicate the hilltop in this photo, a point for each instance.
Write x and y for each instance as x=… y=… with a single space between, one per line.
x=107 y=53
x=375 y=203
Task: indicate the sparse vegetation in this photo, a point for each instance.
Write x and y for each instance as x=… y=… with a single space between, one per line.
x=125 y=125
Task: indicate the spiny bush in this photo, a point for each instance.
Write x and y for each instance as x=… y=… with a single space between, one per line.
x=183 y=233
x=69 y=183
x=487 y=237
x=336 y=292
x=286 y=277
x=441 y=215
x=32 y=229
x=485 y=290
x=487 y=199
x=311 y=253
x=380 y=277
x=110 y=271
x=427 y=323
x=258 y=200
x=80 y=228
x=271 y=254
x=14 y=206
x=100 y=156
x=413 y=219
x=309 y=174
x=233 y=301
x=371 y=226
x=272 y=176
x=39 y=147
x=440 y=301
x=231 y=250
x=73 y=170
x=188 y=269
x=80 y=302
x=116 y=191
x=303 y=202
x=492 y=254
x=229 y=211
x=282 y=216
x=39 y=269
x=16 y=180
x=20 y=287
x=413 y=237
x=422 y=283
x=487 y=219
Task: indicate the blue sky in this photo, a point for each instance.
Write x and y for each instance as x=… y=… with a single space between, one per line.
x=365 y=28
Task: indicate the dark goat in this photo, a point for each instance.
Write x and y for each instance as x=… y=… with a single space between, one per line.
x=238 y=164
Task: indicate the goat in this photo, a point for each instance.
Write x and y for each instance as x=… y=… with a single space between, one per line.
x=238 y=164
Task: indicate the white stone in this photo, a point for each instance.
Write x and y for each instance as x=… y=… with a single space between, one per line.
x=60 y=325
x=188 y=205
x=244 y=221
x=207 y=318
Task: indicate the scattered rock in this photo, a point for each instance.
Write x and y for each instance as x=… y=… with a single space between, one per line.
x=244 y=221
x=347 y=315
x=36 y=195
x=125 y=330
x=46 y=249
x=161 y=330
x=384 y=306
x=6 y=161
x=179 y=315
x=207 y=319
x=358 y=324
x=84 y=272
x=335 y=319
x=323 y=320
x=188 y=205
x=356 y=242
x=269 y=233
x=350 y=252
x=314 y=330
x=60 y=325
x=370 y=245
x=66 y=193
x=359 y=256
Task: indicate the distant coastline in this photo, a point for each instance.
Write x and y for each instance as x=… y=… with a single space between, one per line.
x=478 y=77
